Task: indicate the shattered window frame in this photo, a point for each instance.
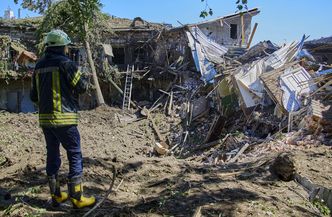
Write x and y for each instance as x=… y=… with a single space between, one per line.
x=233 y=31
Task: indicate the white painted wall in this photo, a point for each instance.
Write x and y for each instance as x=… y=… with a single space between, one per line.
x=220 y=32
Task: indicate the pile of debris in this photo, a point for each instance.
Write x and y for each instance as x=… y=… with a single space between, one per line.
x=220 y=96
x=279 y=98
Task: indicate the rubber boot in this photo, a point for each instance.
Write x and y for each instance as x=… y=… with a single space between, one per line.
x=75 y=189
x=58 y=197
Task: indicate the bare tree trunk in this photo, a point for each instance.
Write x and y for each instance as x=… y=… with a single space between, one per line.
x=99 y=95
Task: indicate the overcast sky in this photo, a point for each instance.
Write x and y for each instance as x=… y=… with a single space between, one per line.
x=279 y=21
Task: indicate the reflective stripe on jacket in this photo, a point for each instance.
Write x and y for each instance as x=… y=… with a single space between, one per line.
x=56 y=85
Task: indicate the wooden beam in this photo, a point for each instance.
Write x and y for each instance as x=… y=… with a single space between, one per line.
x=242 y=150
x=164 y=92
x=242 y=30
x=121 y=92
x=252 y=35
x=170 y=105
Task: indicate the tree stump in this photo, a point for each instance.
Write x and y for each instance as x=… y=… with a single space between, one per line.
x=284 y=167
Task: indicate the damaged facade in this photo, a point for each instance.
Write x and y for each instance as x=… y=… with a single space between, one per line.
x=222 y=98
x=215 y=78
x=149 y=47
x=192 y=70
x=126 y=46
x=16 y=65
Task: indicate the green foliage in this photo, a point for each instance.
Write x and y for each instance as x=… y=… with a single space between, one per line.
x=240 y=5
x=23 y=22
x=39 y=6
x=321 y=207
x=62 y=15
x=76 y=20
x=111 y=73
x=75 y=17
x=9 y=209
x=59 y=16
x=207 y=11
x=4 y=42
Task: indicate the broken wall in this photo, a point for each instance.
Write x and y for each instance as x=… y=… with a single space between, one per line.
x=172 y=45
x=220 y=30
x=130 y=47
x=25 y=35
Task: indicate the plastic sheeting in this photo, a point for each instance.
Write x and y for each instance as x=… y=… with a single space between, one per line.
x=247 y=77
x=108 y=50
x=206 y=53
x=294 y=84
x=324 y=72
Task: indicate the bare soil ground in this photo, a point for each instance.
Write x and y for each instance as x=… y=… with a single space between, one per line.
x=148 y=185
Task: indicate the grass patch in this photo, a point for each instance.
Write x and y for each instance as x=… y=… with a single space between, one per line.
x=320 y=205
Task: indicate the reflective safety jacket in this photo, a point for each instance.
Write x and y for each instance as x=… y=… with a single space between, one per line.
x=56 y=85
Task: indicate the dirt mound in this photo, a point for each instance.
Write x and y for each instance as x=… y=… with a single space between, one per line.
x=147 y=185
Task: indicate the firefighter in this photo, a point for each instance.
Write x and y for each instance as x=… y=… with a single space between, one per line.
x=56 y=85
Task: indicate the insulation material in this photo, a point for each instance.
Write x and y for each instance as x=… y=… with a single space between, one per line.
x=108 y=50
x=324 y=72
x=295 y=84
x=205 y=53
x=248 y=98
x=224 y=89
x=247 y=77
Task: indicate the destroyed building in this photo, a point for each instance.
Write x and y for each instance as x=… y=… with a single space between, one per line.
x=271 y=88
x=17 y=62
x=321 y=49
x=125 y=46
x=191 y=55
x=206 y=92
x=148 y=47
x=129 y=41
x=231 y=33
x=187 y=71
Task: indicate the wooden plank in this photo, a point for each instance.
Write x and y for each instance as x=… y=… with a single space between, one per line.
x=207 y=96
x=198 y=212
x=164 y=92
x=238 y=92
x=242 y=30
x=270 y=81
x=169 y=110
x=242 y=150
x=252 y=35
x=160 y=137
x=211 y=144
x=207 y=146
x=215 y=119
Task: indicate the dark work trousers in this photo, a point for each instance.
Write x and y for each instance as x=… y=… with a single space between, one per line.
x=69 y=137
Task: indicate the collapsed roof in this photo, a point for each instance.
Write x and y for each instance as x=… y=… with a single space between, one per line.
x=319 y=42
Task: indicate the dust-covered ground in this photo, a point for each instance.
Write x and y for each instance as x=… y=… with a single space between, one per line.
x=148 y=185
